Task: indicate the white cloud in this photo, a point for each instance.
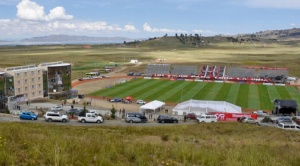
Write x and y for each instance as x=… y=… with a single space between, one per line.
x=130 y=28
x=204 y=31
x=288 y=4
x=148 y=28
x=28 y=10
x=19 y=27
x=59 y=13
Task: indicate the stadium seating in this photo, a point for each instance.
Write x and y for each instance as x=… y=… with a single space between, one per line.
x=183 y=70
x=157 y=69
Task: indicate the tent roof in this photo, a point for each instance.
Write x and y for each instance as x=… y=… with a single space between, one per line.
x=153 y=105
x=205 y=106
x=129 y=98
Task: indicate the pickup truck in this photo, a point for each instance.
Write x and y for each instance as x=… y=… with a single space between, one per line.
x=260 y=113
x=90 y=117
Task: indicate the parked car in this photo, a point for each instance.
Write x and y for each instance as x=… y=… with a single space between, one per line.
x=74 y=111
x=250 y=120
x=191 y=116
x=115 y=100
x=28 y=116
x=206 y=118
x=284 y=119
x=260 y=113
x=289 y=126
x=55 y=116
x=166 y=119
x=140 y=102
x=90 y=117
x=135 y=117
x=56 y=108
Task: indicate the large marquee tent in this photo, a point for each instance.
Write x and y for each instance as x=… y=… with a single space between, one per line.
x=205 y=106
x=153 y=106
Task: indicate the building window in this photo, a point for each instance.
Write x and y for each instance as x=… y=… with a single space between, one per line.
x=40 y=85
x=26 y=88
x=32 y=86
x=25 y=81
x=18 y=74
x=19 y=90
x=19 y=82
x=25 y=73
x=39 y=71
x=40 y=92
x=33 y=93
x=26 y=95
x=32 y=72
x=39 y=78
x=32 y=79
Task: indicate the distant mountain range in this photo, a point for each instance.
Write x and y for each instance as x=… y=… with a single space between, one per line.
x=284 y=35
x=75 y=39
x=287 y=34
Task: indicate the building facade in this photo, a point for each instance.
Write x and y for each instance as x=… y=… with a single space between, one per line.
x=24 y=80
x=58 y=80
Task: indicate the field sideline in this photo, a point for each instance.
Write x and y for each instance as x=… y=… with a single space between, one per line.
x=248 y=96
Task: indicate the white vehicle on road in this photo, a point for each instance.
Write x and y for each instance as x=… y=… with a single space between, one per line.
x=90 y=117
x=56 y=108
x=206 y=118
x=260 y=113
x=140 y=102
x=289 y=126
x=55 y=116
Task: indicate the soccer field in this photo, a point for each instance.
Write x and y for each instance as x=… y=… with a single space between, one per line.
x=244 y=95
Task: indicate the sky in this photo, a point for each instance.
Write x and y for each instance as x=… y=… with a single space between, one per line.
x=144 y=18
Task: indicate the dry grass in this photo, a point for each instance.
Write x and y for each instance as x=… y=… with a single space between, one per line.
x=204 y=144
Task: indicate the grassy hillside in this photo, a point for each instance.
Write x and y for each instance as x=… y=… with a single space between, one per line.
x=205 y=144
x=243 y=95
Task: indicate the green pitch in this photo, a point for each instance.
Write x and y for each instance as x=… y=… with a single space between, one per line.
x=244 y=95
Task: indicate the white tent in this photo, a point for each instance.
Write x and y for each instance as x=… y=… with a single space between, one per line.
x=153 y=106
x=134 y=61
x=204 y=106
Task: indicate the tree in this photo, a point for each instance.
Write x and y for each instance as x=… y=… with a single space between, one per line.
x=113 y=112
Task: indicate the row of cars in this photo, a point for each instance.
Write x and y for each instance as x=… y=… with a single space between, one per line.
x=51 y=116
x=142 y=102
x=135 y=117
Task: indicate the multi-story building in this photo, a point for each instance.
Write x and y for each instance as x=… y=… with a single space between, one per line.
x=58 y=80
x=24 y=80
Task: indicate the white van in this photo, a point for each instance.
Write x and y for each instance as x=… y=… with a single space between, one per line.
x=289 y=126
x=206 y=118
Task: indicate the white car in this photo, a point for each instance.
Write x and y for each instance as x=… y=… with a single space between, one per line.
x=140 y=102
x=260 y=113
x=90 y=117
x=288 y=126
x=55 y=116
x=250 y=120
x=206 y=118
x=56 y=108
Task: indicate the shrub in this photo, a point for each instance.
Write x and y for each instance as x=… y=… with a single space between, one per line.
x=267 y=120
x=113 y=113
x=165 y=137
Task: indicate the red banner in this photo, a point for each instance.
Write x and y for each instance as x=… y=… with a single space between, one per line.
x=224 y=116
